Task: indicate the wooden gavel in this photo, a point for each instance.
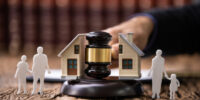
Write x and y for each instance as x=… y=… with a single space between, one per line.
x=98 y=54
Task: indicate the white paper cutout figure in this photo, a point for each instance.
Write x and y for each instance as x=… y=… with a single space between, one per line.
x=156 y=71
x=173 y=86
x=40 y=64
x=21 y=73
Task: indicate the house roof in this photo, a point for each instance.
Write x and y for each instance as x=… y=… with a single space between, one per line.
x=60 y=54
x=132 y=45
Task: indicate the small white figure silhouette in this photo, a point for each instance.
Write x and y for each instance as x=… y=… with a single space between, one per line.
x=156 y=71
x=21 y=72
x=40 y=64
x=173 y=86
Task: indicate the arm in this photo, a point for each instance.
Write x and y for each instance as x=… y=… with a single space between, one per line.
x=47 y=65
x=33 y=62
x=16 y=74
x=150 y=71
x=166 y=76
x=141 y=26
x=27 y=69
x=17 y=71
x=178 y=25
x=153 y=30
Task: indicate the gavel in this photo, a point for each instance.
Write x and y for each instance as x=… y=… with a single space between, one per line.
x=98 y=58
x=98 y=54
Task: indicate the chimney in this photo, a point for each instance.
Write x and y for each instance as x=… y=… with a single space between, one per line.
x=130 y=37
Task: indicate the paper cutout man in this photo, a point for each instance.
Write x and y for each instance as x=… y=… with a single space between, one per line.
x=21 y=73
x=156 y=71
x=40 y=64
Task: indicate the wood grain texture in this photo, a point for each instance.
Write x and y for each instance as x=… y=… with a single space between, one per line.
x=189 y=90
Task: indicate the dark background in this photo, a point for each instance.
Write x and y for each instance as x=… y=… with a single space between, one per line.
x=26 y=24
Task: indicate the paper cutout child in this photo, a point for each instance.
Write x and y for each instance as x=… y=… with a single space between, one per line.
x=21 y=72
x=40 y=64
x=173 y=86
x=156 y=71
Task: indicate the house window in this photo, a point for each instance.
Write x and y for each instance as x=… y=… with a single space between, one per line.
x=72 y=63
x=127 y=64
x=76 y=49
x=120 y=48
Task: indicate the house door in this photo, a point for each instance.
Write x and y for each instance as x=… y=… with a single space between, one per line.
x=72 y=66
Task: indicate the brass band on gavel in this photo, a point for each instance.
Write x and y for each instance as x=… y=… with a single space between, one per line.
x=102 y=55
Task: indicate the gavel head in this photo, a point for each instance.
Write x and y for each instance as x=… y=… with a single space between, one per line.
x=98 y=54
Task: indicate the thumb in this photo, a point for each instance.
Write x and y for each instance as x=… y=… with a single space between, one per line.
x=114 y=33
x=115 y=50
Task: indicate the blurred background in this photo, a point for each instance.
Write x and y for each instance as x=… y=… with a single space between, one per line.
x=26 y=24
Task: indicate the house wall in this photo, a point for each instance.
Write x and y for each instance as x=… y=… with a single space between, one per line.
x=69 y=54
x=82 y=55
x=129 y=53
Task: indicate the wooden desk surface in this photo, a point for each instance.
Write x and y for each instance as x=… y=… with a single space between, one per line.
x=184 y=65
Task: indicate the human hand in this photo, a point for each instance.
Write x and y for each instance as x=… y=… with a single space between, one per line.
x=166 y=76
x=141 y=26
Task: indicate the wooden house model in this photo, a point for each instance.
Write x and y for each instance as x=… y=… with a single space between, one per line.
x=129 y=57
x=73 y=58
